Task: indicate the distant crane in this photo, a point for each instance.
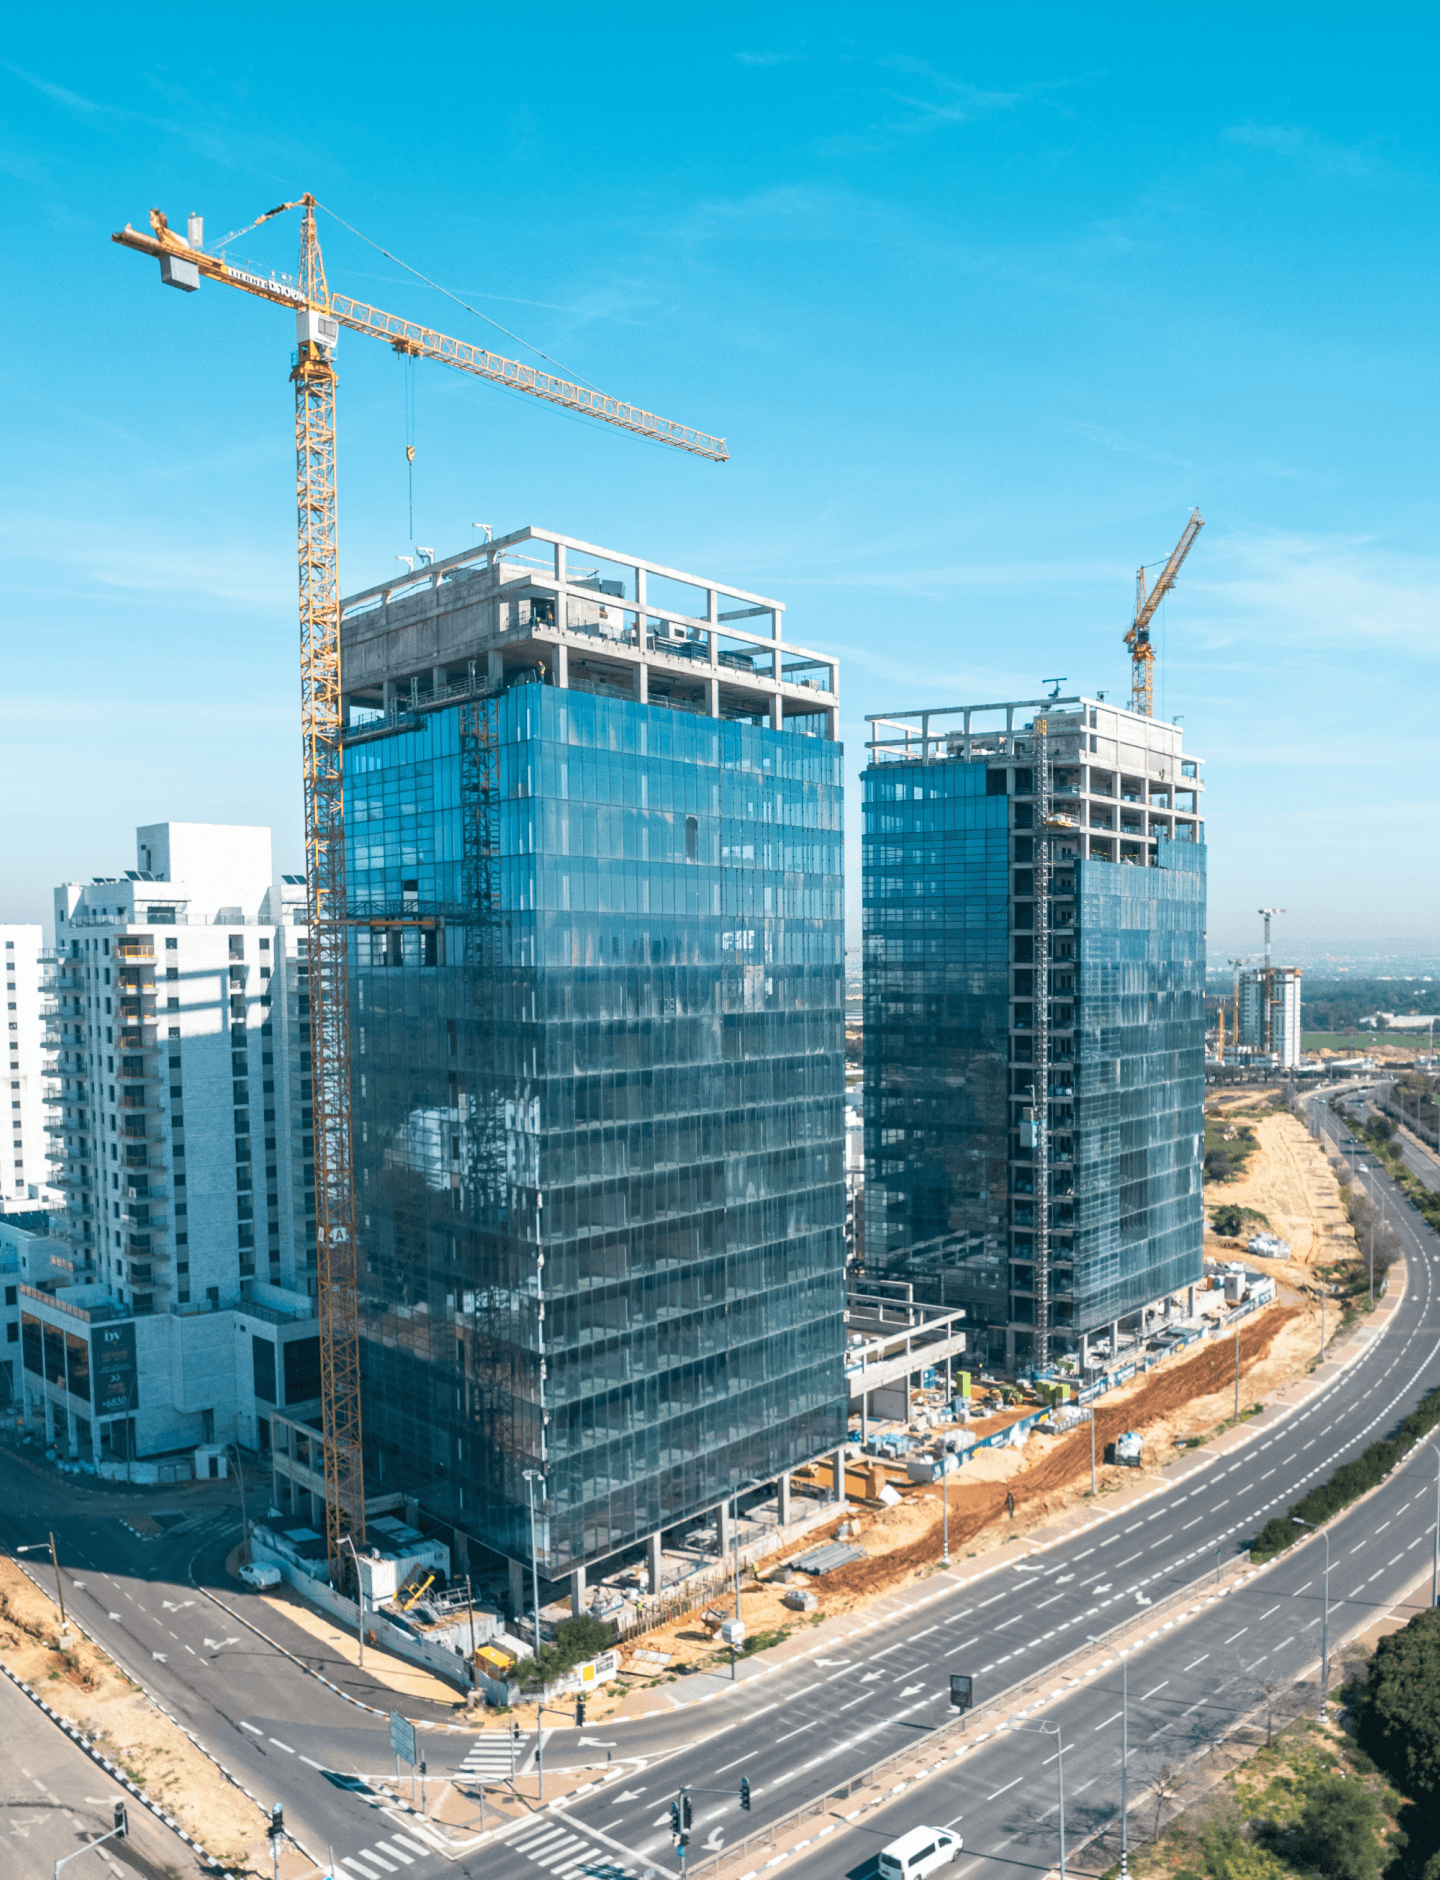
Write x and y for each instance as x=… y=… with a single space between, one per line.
x=319 y=315
x=1137 y=637
x=1268 y=983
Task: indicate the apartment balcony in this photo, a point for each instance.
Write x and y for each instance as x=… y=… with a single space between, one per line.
x=133 y=947
x=137 y=1038
x=142 y=1217
x=136 y=1100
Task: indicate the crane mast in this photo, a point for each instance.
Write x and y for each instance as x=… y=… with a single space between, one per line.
x=1137 y=636
x=319 y=316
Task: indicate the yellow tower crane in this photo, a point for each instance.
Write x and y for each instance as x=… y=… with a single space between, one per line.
x=320 y=313
x=1137 y=637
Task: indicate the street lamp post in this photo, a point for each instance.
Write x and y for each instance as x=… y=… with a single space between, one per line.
x=532 y=1476
x=1124 y=1763
x=230 y=1449
x=36 y=1547
x=1325 y=1621
x=359 y=1603
x=944 y=1515
x=1051 y=1729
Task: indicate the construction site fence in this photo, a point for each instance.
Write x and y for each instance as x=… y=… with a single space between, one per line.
x=378 y=1630
x=698 y=1589
x=944 y=1739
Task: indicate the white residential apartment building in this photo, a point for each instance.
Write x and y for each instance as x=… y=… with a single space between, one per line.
x=181 y=1030
x=1269 y=1018
x=25 y=1173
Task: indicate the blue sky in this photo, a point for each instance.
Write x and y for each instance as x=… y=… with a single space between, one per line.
x=984 y=302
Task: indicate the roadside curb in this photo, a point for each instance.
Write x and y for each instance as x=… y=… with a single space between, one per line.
x=83 y=1742
x=164 y=1710
x=1358 y=1343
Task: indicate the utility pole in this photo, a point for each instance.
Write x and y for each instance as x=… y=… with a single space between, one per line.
x=1092 y=1450
x=232 y=1450
x=1237 y=1373
x=59 y=1589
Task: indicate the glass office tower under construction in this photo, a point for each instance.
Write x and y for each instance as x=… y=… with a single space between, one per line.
x=594 y=833
x=1034 y=1026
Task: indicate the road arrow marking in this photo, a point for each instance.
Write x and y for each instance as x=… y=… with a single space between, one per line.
x=593 y=1742
x=834 y=1661
x=629 y=1795
x=1065 y=1579
x=170 y=1606
x=911 y=1689
x=114 y=1615
x=158 y=1655
x=1105 y=1588
x=870 y=1676
x=715 y=1840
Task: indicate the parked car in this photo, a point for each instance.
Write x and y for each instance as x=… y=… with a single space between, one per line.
x=920 y=1851
x=260 y=1576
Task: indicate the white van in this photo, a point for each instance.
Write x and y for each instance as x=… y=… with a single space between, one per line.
x=920 y=1851
x=260 y=1576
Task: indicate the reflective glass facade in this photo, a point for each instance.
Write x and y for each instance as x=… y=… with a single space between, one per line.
x=599 y=1155
x=948 y=890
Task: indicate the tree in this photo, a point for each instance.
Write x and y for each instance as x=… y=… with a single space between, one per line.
x=575 y=1641
x=1397 y=1714
x=1337 y=1832
x=1163 y=1788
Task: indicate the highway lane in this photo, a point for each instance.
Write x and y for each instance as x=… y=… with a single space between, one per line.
x=1187 y=1687
x=832 y=1711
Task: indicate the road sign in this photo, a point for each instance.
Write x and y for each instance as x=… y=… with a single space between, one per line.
x=402 y=1738
x=962 y=1691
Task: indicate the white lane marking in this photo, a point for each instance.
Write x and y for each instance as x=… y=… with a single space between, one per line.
x=251 y=1728
x=1108 y=1721
x=1197 y=1661
x=1008 y=1785
x=1159 y=1687
x=279 y=1745
x=800 y=1732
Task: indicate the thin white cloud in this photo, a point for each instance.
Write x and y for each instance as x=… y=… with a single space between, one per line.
x=1318 y=591
x=1303 y=147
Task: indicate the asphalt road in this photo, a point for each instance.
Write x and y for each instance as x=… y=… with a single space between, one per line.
x=53 y=1800
x=243 y=1700
x=831 y=1712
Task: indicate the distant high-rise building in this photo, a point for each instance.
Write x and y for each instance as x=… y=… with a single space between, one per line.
x=953 y=1115
x=25 y=1152
x=1269 y=1020
x=181 y=1039
x=594 y=821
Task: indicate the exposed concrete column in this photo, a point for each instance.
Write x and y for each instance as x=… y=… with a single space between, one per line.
x=562 y=666
x=777 y=709
x=712 y=697
x=653 y=1562
x=577 y=1593
x=1189 y=1302
x=725 y=1527
x=642 y=683
x=438 y=680
x=517 y=1587
x=387 y=694
x=783 y=1499
x=1010 y=1349
x=562 y=610
x=840 y=1474
x=497 y=669
x=1115 y=1340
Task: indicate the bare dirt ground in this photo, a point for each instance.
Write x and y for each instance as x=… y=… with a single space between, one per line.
x=1287 y=1180
x=81 y=1683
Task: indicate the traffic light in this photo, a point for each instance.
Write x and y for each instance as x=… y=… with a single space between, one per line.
x=675 y=1820
x=277 y=1821
x=687 y=1813
x=122 y=1822
x=579 y=1712
x=745 y=1793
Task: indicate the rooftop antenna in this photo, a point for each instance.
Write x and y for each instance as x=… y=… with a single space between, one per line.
x=1056 y=683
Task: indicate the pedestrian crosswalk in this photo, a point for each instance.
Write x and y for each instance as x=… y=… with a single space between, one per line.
x=392 y=1855
x=492 y=1758
x=567 y=1856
